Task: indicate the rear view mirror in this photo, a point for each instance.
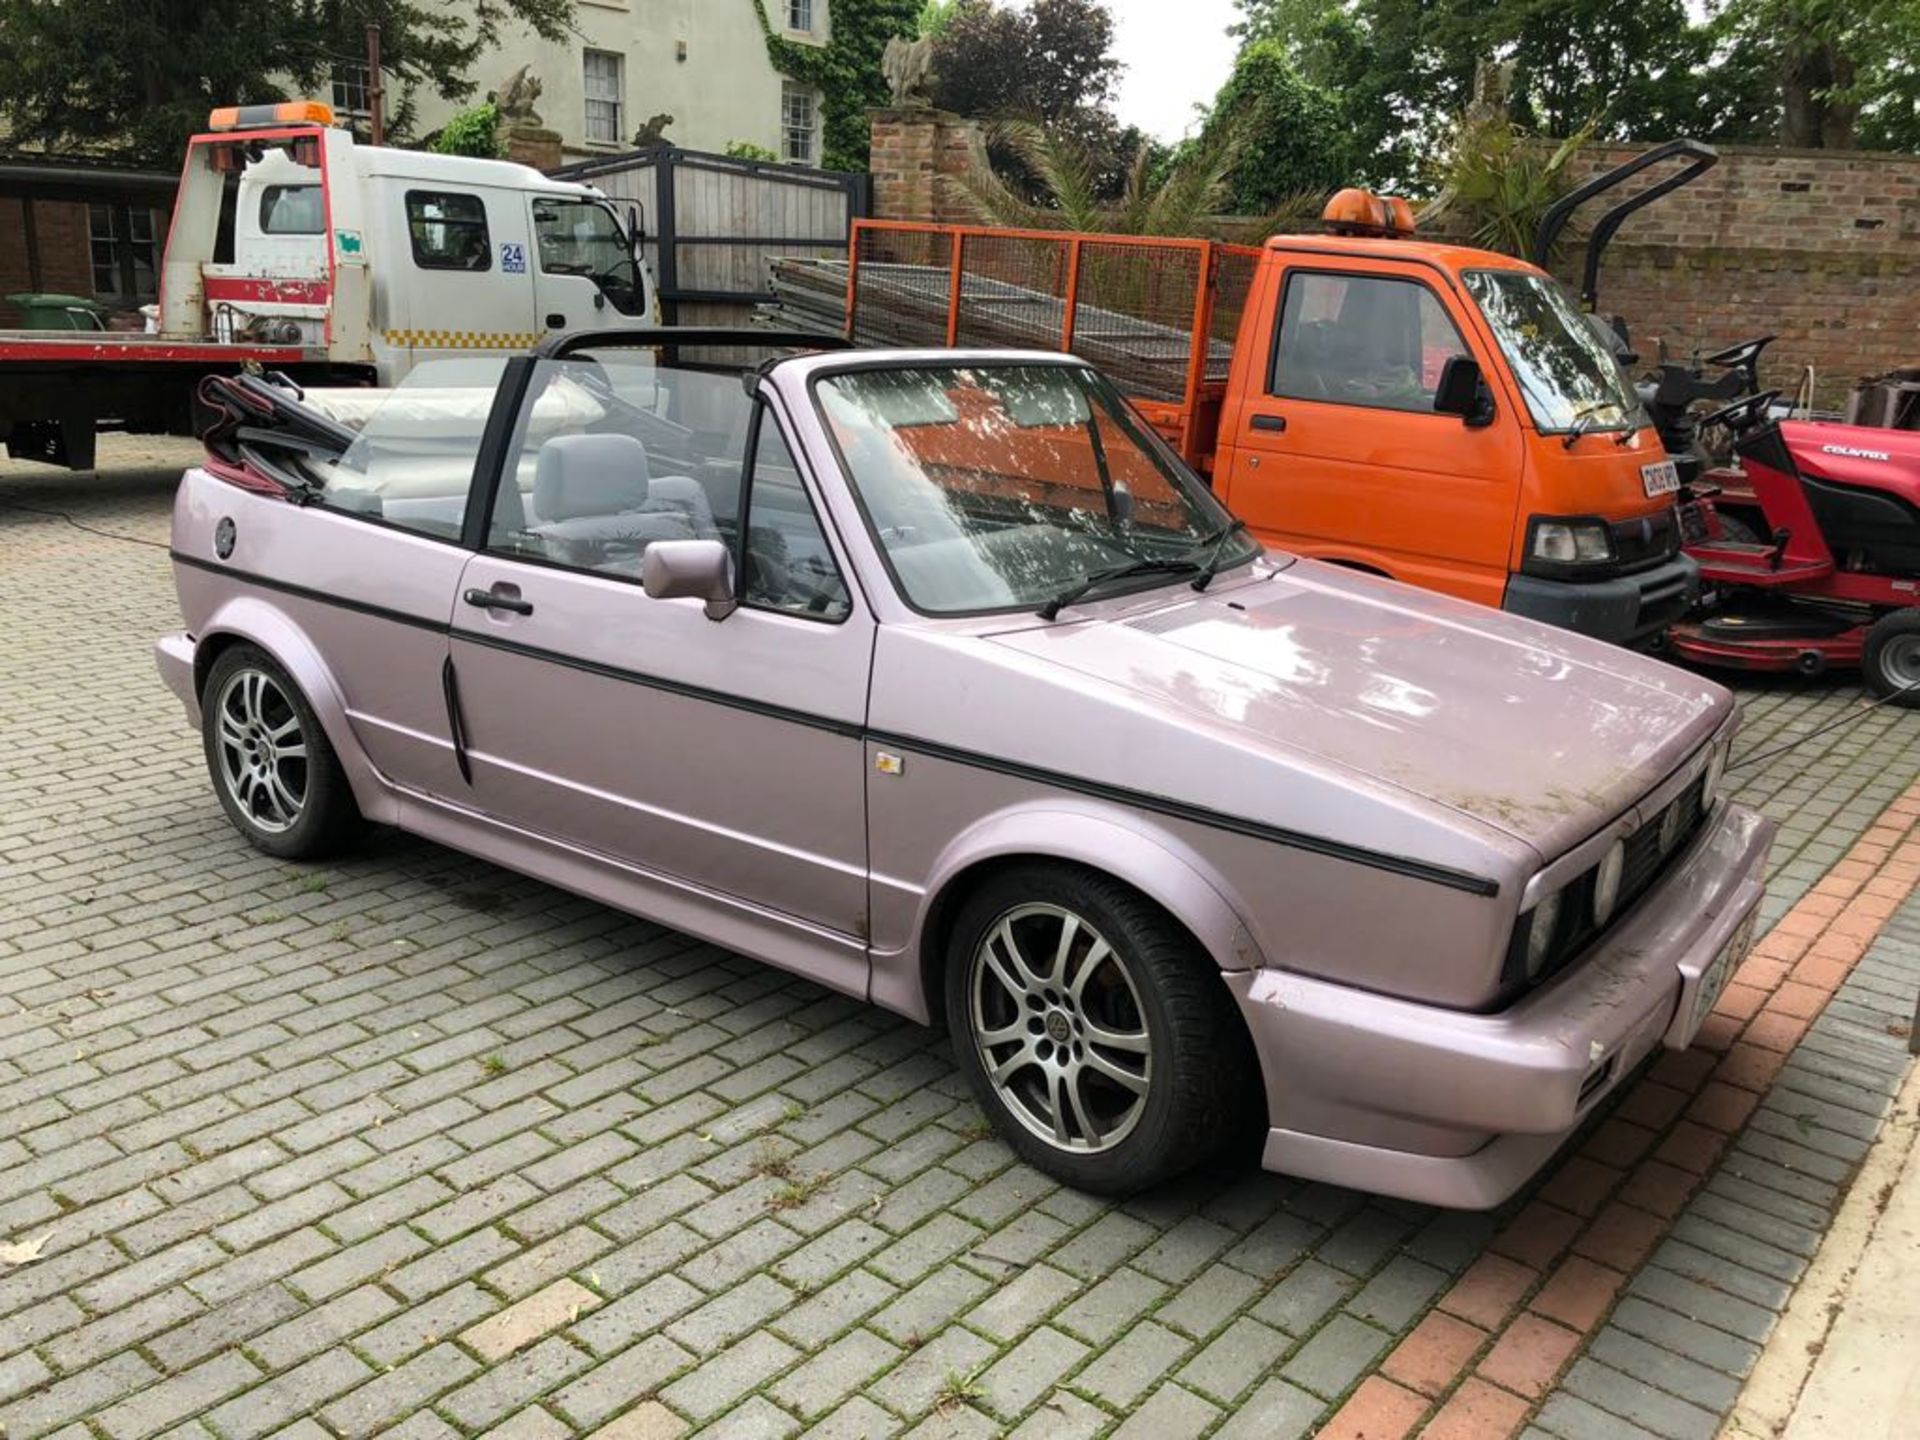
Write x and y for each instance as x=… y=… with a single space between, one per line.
x=1462 y=392
x=635 y=235
x=690 y=570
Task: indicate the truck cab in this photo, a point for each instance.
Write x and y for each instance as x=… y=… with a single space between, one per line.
x=458 y=254
x=1440 y=415
x=1447 y=417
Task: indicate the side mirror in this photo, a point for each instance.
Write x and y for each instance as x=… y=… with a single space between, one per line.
x=691 y=570
x=1462 y=392
x=635 y=235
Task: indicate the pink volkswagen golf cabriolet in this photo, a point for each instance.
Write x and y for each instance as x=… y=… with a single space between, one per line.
x=937 y=678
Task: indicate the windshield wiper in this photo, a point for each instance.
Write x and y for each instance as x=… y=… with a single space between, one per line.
x=1216 y=546
x=1180 y=565
x=1576 y=430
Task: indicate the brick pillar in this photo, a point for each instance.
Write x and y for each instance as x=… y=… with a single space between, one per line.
x=912 y=149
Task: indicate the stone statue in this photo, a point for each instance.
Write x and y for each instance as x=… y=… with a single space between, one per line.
x=516 y=99
x=908 y=66
x=653 y=133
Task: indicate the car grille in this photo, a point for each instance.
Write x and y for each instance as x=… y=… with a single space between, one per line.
x=1649 y=850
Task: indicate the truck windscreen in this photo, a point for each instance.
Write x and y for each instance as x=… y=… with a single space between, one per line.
x=1566 y=374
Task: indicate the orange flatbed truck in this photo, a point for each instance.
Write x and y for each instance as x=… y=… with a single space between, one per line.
x=1437 y=414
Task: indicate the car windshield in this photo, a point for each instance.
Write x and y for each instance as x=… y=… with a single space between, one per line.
x=1569 y=378
x=1001 y=487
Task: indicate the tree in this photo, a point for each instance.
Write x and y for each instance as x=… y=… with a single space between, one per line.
x=1051 y=64
x=1289 y=137
x=1805 y=72
x=1844 y=69
x=139 y=76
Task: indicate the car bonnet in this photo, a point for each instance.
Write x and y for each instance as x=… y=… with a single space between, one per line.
x=1542 y=734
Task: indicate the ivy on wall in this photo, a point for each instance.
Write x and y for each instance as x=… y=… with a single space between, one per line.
x=845 y=72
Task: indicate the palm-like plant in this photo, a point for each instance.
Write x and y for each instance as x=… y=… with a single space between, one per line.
x=1497 y=181
x=1184 y=199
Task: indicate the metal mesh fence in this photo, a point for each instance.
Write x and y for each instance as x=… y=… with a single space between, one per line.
x=905 y=287
x=1233 y=272
x=1013 y=291
x=1135 y=312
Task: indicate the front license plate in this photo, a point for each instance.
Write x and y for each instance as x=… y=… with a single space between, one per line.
x=1712 y=981
x=1661 y=478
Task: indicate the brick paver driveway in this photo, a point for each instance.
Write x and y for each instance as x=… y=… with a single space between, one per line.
x=409 y=1142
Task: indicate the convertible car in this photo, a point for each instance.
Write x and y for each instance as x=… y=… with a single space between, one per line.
x=934 y=676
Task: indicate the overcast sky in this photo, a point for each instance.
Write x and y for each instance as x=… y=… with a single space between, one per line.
x=1177 y=55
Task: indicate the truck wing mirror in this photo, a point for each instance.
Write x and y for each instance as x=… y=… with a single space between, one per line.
x=635 y=235
x=690 y=570
x=1462 y=392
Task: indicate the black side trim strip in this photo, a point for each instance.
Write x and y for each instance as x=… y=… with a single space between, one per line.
x=849 y=728
x=379 y=612
x=456 y=727
x=1180 y=810
x=1138 y=799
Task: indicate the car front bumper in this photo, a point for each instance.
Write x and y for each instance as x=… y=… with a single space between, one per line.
x=1454 y=1108
x=1623 y=610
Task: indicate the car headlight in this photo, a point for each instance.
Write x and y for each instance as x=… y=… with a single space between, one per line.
x=1571 y=542
x=1716 y=772
x=1606 y=882
x=1546 y=920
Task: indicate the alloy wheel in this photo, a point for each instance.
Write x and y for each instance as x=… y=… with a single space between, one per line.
x=1060 y=1030
x=262 y=750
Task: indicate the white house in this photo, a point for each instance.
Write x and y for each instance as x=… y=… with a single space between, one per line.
x=704 y=62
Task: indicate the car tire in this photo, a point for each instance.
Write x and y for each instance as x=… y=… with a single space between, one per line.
x=1173 y=1075
x=1890 y=660
x=271 y=764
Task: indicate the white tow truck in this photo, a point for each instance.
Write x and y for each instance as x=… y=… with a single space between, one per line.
x=296 y=250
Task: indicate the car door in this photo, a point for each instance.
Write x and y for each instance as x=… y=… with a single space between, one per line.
x=724 y=754
x=1338 y=450
x=459 y=282
x=584 y=274
x=375 y=566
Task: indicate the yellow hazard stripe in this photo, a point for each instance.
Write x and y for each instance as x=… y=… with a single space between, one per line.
x=465 y=339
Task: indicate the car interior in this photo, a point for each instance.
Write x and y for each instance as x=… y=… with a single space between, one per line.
x=607 y=460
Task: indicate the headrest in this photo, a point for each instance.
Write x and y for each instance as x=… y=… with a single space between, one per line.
x=589 y=475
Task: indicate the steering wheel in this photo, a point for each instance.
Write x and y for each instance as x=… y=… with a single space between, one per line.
x=1743 y=413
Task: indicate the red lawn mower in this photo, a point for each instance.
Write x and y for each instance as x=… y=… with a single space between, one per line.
x=1817 y=562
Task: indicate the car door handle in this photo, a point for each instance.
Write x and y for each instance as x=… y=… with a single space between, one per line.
x=556 y=321
x=494 y=600
x=1275 y=423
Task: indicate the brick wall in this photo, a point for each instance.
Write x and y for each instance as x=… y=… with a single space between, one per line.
x=60 y=233
x=912 y=148
x=1822 y=248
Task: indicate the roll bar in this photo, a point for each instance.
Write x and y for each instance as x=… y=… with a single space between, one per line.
x=1700 y=159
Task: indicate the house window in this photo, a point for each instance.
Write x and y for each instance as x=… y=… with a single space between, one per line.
x=603 y=86
x=352 y=85
x=800 y=16
x=121 y=245
x=799 y=120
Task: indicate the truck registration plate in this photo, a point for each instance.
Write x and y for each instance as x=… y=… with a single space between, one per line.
x=1661 y=478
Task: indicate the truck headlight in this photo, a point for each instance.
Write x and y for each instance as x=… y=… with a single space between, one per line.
x=1570 y=542
x=1546 y=921
x=1606 y=883
x=1716 y=772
